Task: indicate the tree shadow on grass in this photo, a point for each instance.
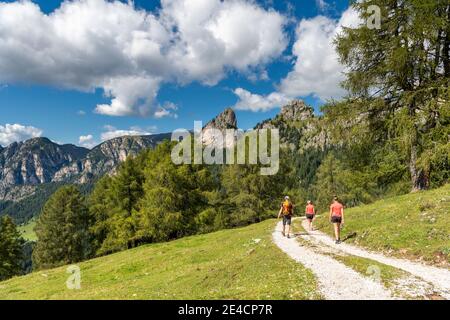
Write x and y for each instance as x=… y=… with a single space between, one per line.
x=299 y=234
x=350 y=236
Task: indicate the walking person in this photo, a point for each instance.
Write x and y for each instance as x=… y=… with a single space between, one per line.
x=286 y=211
x=310 y=212
x=337 y=218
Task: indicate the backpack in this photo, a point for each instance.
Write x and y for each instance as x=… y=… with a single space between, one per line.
x=287 y=208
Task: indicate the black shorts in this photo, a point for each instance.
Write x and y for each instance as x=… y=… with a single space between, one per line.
x=309 y=216
x=287 y=220
x=336 y=219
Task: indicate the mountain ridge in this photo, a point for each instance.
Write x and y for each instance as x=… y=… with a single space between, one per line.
x=37 y=166
x=39 y=161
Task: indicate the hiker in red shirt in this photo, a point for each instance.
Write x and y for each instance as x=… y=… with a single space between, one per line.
x=310 y=212
x=337 y=217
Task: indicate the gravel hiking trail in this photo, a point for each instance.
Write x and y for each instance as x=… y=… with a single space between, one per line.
x=336 y=281
x=339 y=282
x=439 y=278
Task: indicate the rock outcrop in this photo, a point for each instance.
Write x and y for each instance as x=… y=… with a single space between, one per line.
x=297 y=110
x=299 y=128
x=225 y=120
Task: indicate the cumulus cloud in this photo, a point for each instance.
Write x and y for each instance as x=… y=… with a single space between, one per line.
x=168 y=109
x=10 y=133
x=161 y=113
x=215 y=35
x=138 y=92
x=131 y=53
x=316 y=69
x=255 y=102
x=87 y=141
x=112 y=132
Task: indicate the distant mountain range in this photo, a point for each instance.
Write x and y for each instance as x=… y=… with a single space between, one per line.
x=33 y=169
x=24 y=165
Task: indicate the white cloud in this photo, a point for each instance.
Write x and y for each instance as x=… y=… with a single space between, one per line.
x=254 y=102
x=258 y=75
x=216 y=35
x=81 y=112
x=168 y=109
x=112 y=132
x=87 y=141
x=322 y=5
x=138 y=92
x=316 y=70
x=131 y=53
x=10 y=133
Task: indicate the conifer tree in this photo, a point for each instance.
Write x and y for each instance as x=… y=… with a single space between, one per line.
x=398 y=77
x=100 y=210
x=117 y=199
x=11 y=253
x=174 y=196
x=62 y=230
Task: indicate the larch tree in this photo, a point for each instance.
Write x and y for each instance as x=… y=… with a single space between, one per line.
x=399 y=76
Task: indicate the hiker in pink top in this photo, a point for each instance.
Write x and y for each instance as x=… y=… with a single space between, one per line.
x=310 y=212
x=337 y=218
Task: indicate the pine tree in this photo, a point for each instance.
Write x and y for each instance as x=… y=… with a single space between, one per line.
x=399 y=78
x=62 y=230
x=11 y=253
x=115 y=205
x=174 y=196
x=100 y=209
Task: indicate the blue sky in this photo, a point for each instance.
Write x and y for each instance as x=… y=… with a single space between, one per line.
x=65 y=112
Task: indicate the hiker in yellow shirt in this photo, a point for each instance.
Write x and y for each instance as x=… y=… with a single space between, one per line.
x=286 y=211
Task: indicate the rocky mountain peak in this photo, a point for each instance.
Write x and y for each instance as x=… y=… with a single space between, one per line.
x=296 y=110
x=225 y=120
x=37 y=140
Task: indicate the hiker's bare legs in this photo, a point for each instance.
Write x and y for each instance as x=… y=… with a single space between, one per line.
x=337 y=230
x=288 y=227
x=310 y=224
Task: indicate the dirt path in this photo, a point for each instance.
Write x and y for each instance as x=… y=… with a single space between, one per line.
x=438 y=277
x=336 y=281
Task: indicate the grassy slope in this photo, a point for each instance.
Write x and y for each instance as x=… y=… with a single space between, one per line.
x=27 y=230
x=227 y=264
x=413 y=226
